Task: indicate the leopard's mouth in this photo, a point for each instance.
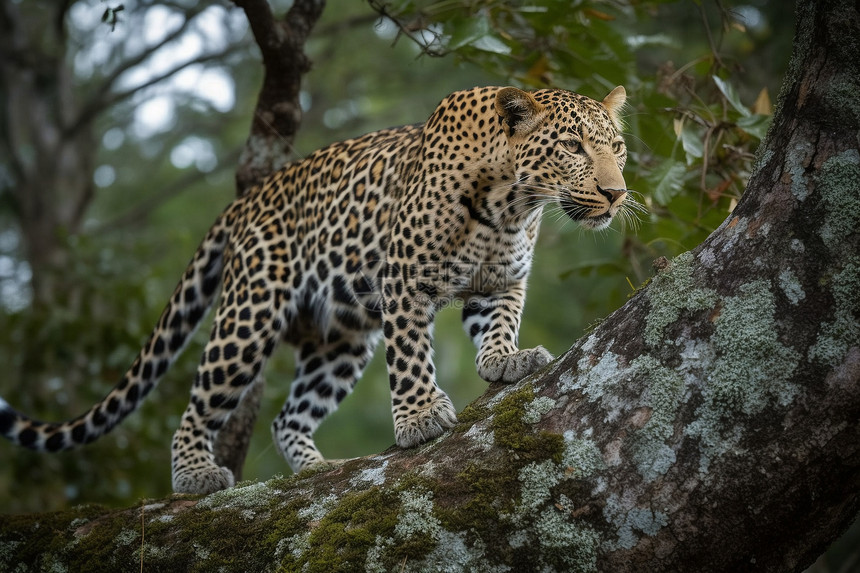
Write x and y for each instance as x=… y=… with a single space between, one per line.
x=598 y=222
x=582 y=215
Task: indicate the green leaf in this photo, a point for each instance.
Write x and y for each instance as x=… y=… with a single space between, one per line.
x=467 y=31
x=475 y=32
x=692 y=143
x=667 y=180
x=491 y=44
x=732 y=96
x=755 y=125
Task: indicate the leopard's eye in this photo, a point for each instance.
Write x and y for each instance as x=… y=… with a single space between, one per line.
x=618 y=147
x=572 y=145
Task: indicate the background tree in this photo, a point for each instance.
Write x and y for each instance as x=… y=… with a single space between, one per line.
x=697 y=153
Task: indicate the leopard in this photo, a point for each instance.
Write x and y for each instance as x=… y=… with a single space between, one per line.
x=361 y=241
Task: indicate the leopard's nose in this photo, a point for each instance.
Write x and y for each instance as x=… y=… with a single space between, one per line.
x=612 y=195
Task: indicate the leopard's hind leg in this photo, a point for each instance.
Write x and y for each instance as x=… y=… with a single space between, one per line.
x=326 y=373
x=246 y=329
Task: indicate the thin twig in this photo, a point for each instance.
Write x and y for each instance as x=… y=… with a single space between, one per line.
x=707 y=26
x=426 y=47
x=97 y=106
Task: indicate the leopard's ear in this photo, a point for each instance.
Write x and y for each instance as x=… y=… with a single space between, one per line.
x=520 y=111
x=614 y=104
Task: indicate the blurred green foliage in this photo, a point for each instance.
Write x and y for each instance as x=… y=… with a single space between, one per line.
x=697 y=78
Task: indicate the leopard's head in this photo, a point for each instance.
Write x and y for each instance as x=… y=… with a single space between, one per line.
x=568 y=149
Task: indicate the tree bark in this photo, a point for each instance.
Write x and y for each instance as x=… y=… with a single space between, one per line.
x=710 y=424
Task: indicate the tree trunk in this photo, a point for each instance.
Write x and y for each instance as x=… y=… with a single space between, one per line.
x=708 y=425
x=278 y=112
x=49 y=164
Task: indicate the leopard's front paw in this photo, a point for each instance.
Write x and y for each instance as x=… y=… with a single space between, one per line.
x=421 y=423
x=513 y=367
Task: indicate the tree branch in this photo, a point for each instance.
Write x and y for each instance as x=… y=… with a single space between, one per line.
x=267 y=32
x=278 y=112
x=381 y=8
x=99 y=100
x=118 y=97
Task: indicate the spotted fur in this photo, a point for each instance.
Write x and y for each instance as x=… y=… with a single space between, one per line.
x=365 y=240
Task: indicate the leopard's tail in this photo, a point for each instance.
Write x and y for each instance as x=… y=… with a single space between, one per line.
x=192 y=298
